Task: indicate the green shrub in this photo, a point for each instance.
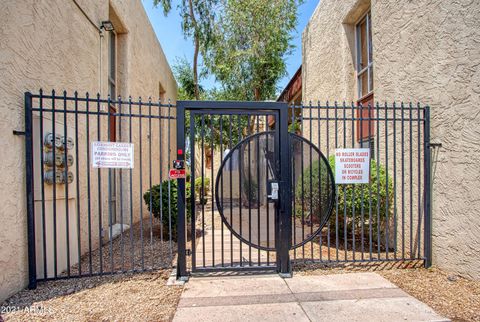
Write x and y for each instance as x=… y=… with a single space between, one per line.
x=198 y=188
x=160 y=204
x=349 y=197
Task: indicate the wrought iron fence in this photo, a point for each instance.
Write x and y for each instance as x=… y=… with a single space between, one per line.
x=386 y=219
x=85 y=219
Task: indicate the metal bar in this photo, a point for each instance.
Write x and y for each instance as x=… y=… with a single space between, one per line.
x=150 y=176
x=327 y=134
x=370 y=231
x=221 y=187
x=281 y=131
x=378 y=177
x=67 y=215
x=266 y=198
x=293 y=188
x=160 y=165
x=142 y=246
x=122 y=242
x=419 y=183
x=29 y=173
x=411 y=180
x=337 y=237
x=89 y=196
x=42 y=178
x=192 y=187
x=110 y=192
x=303 y=183
x=427 y=244
x=403 y=179
x=240 y=168
x=258 y=186
x=362 y=188
x=353 y=186
x=79 y=243
x=249 y=196
x=345 y=223
x=395 y=180
x=99 y=192
x=181 y=215
x=132 y=246
x=54 y=192
x=320 y=242
x=387 y=208
x=202 y=165
x=230 y=119
x=212 y=154
x=311 y=183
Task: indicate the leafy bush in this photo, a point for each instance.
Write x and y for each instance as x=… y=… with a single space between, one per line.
x=198 y=188
x=160 y=204
x=349 y=200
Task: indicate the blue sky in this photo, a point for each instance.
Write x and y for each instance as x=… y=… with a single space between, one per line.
x=174 y=45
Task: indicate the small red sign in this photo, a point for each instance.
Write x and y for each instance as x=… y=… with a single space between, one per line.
x=177 y=174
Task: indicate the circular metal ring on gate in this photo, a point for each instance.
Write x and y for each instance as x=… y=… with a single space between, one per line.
x=241 y=190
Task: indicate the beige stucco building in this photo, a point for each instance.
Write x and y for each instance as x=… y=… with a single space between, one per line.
x=58 y=44
x=421 y=51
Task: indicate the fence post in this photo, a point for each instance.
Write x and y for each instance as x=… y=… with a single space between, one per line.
x=181 y=233
x=427 y=168
x=32 y=270
x=285 y=222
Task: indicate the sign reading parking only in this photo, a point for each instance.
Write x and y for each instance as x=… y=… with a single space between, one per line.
x=352 y=166
x=116 y=155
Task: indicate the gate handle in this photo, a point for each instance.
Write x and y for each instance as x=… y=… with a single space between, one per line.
x=274 y=187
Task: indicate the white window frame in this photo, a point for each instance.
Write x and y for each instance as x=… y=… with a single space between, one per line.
x=358 y=50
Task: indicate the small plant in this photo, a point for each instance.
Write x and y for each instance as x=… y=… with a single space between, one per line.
x=157 y=196
x=295 y=127
x=200 y=191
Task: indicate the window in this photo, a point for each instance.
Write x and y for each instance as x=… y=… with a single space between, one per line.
x=364 y=69
x=112 y=64
x=364 y=56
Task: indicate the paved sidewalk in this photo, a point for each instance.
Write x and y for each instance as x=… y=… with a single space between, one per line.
x=342 y=297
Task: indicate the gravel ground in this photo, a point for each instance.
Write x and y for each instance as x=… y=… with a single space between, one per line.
x=121 y=297
x=450 y=295
x=138 y=297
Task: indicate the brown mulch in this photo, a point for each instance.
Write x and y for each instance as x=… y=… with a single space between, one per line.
x=450 y=295
x=121 y=297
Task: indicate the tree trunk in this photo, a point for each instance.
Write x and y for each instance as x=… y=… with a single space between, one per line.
x=196 y=90
x=195 y=72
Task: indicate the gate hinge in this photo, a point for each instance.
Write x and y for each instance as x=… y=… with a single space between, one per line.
x=188 y=252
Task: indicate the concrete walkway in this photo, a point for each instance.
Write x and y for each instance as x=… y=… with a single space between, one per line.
x=342 y=297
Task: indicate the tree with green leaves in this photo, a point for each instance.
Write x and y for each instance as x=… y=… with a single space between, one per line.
x=250 y=43
x=198 y=18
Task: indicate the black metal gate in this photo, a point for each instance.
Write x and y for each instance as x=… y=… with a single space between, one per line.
x=236 y=128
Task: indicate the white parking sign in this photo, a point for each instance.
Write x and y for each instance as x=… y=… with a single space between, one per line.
x=116 y=155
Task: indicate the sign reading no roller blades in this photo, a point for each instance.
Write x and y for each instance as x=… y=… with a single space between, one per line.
x=115 y=155
x=352 y=166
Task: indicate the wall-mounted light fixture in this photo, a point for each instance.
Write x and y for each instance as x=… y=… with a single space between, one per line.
x=107 y=26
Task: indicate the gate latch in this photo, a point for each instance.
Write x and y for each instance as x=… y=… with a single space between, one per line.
x=272 y=190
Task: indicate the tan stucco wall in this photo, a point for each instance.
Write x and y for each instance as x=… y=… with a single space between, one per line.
x=423 y=51
x=52 y=45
